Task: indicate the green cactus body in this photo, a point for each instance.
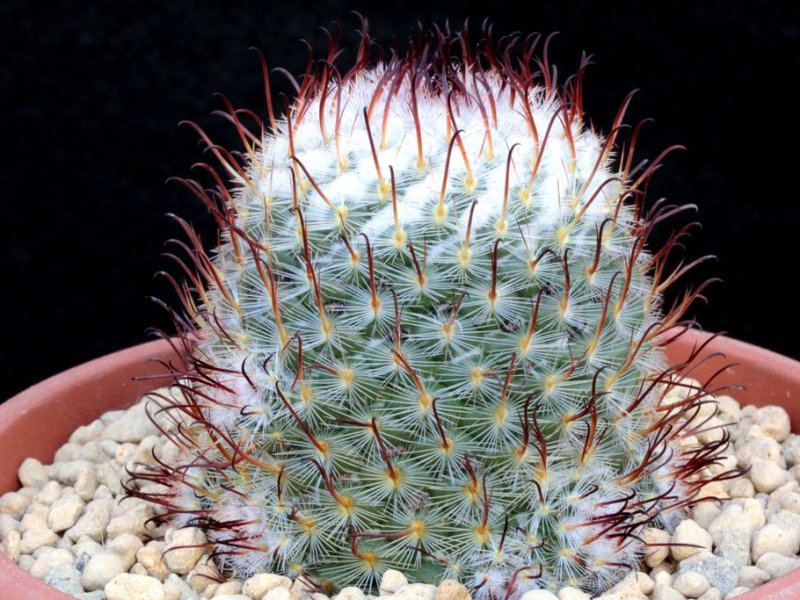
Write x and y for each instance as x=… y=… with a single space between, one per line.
x=430 y=337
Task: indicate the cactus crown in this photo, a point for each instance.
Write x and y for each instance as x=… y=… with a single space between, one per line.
x=430 y=336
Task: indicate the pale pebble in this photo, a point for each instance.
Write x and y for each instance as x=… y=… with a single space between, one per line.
x=773 y=421
x=773 y=538
x=86 y=545
x=10 y=545
x=230 y=588
x=50 y=558
x=28 y=491
x=126 y=452
x=450 y=589
x=766 y=475
x=170 y=452
x=93 y=522
x=176 y=588
x=132 y=520
x=745 y=514
x=741 y=487
x=64 y=513
x=109 y=447
x=63 y=454
x=50 y=492
x=350 y=593
x=734 y=545
x=663 y=592
x=791 y=502
x=14 y=504
x=68 y=472
x=777 y=564
x=150 y=558
x=656 y=546
x=87 y=433
x=714 y=490
x=276 y=593
x=712 y=593
x=133 y=426
x=785 y=519
x=108 y=475
x=763 y=448
x=86 y=483
x=746 y=430
x=782 y=496
x=110 y=416
x=646 y=583
x=713 y=430
x=183 y=549
x=36 y=538
x=126 y=586
x=26 y=561
x=125 y=546
x=690 y=583
x=211 y=590
x=128 y=504
x=704 y=513
x=689 y=539
x=7 y=524
x=392 y=581
x=571 y=593
x=301 y=589
x=101 y=568
x=635 y=582
x=791 y=450
x=737 y=591
x=35 y=517
x=65 y=578
x=726 y=462
x=720 y=572
x=416 y=591
x=680 y=389
x=102 y=492
x=203 y=578
x=729 y=407
x=662 y=577
x=258 y=585
x=751 y=576
x=31 y=473
x=91 y=452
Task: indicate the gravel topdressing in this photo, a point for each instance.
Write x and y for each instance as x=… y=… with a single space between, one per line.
x=71 y=525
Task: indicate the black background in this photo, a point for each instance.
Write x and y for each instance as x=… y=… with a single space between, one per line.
x=92 y=93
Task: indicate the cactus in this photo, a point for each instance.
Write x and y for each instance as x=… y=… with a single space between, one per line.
x=431 y=335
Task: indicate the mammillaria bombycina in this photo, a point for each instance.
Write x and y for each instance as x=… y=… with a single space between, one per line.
x=430 y=337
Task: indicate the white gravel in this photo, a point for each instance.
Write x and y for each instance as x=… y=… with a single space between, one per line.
x=71 y=526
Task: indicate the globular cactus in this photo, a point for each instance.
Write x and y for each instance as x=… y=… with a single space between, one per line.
x=430 y=338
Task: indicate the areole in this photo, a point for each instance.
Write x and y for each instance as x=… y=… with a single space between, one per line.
x=37 y=421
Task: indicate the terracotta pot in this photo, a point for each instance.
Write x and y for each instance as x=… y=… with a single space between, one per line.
x=39 y=420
